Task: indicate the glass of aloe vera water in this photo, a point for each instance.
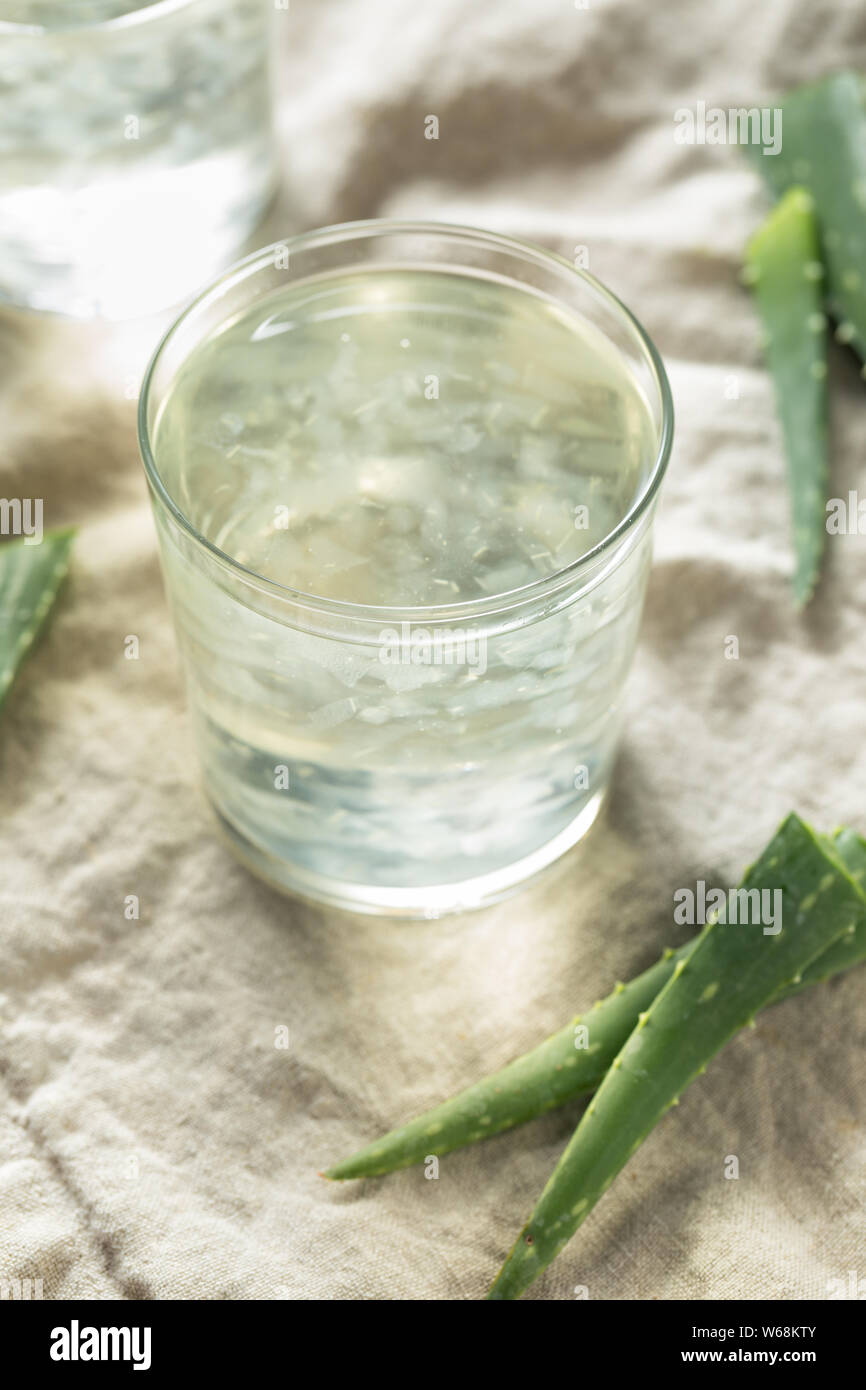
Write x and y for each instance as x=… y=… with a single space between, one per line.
x=404 y=477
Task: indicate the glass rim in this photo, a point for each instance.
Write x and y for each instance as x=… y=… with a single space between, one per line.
x=143 y=13
x=526 y=594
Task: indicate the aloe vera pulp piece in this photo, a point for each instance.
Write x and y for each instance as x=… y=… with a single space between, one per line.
x=30 y=578
x=732 y=972
x=784 y=271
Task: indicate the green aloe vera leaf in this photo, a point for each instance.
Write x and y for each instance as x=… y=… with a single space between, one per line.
x=571 y=1063
x=733 y=971
x=565 y=1065
x=783 y=269
x=824 y=150
x=847 y=850
x=30 y=579
x=851 y=849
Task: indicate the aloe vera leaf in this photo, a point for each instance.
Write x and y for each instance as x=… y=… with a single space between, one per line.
x=566 y=1064
x=846 y=850
x=851 y=849
x=824 y=150
x=30 y=579
x=783 y=269
x=731 y=973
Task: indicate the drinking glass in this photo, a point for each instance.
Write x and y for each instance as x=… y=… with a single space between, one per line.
x=136 y=150
x=398 y=759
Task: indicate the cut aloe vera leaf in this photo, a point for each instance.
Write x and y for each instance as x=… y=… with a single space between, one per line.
x=848 y=849
x=567 y=1064
x=783 y=269
x=824 y=150
x=30 y=579
x=733 y=971
x=851 y=849
x=574 y=1060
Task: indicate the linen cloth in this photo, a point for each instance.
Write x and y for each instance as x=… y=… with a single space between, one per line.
x=155 y=1143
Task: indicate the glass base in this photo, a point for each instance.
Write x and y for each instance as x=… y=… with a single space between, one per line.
x=171 y=258
x=422 y=902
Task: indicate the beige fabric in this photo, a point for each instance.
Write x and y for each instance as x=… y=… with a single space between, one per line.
x=154 y=1141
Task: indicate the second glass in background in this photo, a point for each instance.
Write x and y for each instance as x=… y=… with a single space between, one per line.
x=136 y=149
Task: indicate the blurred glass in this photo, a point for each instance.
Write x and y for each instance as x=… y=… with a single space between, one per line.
x=136 y=150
